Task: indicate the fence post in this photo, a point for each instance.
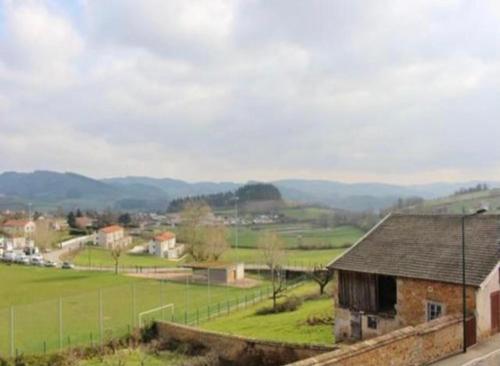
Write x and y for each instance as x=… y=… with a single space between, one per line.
x=133 y=305
x=101 y=325
x=12 y=332
x=60 y=324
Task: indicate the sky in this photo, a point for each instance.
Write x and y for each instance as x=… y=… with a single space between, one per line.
x=387 y=91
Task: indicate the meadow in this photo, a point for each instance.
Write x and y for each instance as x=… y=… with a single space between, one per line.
x=287 y=326
x=52 y=308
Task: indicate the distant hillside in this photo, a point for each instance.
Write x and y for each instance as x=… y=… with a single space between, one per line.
x=255 y=197
x=459 y=203
x=49 y=189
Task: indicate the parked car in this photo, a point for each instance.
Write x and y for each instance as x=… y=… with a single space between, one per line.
x=36 y=261
x=8 y=257
x=67 y=265
x=20 y=259
x=50 y=264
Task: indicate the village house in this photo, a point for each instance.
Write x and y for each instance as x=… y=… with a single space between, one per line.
x=164 y=245
x=407 y=270
x=113 y=236
x=19 y=228
x=84 y=222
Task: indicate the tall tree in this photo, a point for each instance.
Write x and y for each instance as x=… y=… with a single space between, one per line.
x=71 y=219
x=193 y=218
x=125 y=219
x=215 y=239
x=274 y=254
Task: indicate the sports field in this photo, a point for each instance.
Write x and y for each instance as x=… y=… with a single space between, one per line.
x=42 y=309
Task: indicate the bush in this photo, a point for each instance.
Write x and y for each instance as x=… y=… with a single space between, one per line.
x=292 y=303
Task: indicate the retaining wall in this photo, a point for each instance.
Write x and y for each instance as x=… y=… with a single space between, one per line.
x=237 y=350
x=410 y=346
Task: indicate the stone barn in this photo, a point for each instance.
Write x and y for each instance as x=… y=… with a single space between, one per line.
x=408 y=270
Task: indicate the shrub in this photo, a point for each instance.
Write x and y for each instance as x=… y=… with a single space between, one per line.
x=292 y=303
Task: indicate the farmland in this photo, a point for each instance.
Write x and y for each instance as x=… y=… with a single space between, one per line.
x=289 y=326
x=97 y=257
x=49 y=308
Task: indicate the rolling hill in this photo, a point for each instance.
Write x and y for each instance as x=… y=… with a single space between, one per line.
x=48 y=189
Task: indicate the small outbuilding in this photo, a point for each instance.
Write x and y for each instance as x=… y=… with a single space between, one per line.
x=218 y=272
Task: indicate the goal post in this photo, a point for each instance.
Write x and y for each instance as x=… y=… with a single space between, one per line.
x=159 y=308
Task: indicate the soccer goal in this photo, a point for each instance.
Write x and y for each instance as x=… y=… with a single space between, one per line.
x=155 y=310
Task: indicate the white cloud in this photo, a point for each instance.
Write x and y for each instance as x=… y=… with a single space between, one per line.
x=251 y=89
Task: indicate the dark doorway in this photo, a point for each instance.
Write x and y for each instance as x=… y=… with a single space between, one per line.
x=387 y=293
x=470 y=331
x=356 y=325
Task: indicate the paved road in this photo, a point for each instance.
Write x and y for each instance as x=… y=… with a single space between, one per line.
x=483 y=354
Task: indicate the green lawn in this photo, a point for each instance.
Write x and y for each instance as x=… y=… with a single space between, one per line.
x=101 y=257
x=297 y=235
x=294 y=257
x=34 y=296
x=287 y=327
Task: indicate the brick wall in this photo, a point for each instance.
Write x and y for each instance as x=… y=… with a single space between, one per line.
x=237 y=350
x=412 y=297
x=409 y=346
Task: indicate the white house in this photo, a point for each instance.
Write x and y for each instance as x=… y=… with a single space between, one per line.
x=113 y=236
x=18 y=228
x=164 y=245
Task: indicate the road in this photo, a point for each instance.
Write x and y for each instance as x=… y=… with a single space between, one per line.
x=486 y=353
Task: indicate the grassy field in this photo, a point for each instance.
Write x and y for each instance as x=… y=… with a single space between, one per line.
x=298 y=236
x=294 y=257
x=306 y=213
x=92 y=306
x=288 y=326
x=98 y=257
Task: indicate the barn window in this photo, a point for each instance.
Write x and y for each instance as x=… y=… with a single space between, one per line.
x=434 y=310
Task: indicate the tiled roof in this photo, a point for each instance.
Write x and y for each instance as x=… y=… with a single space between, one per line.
x=16 y=223
x=427 y=247
x=111 y=229
x=167 y=235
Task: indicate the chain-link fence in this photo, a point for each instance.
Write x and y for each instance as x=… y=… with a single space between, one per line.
x=107 y=313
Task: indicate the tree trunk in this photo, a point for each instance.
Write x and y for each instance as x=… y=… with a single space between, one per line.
x=116 y=267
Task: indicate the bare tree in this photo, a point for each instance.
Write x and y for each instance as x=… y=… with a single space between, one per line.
x=322 y=276
x=274 y=254
x=193 y=217
x=44 y=236
x=116 y=253
x=215 y=241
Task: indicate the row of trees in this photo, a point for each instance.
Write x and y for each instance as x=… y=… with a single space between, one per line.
x=247 y=193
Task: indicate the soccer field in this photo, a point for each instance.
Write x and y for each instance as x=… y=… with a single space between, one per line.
x=44 y=309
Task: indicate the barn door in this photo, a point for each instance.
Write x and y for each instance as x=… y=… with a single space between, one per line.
x=470 y=334
x=356 y=325
x=495 y=311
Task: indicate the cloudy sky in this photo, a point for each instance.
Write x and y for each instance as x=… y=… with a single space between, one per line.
x=386 y=91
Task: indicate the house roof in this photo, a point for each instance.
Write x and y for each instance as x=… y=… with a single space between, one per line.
x=167 y=235
x=111 y=229
x=427 y=247
x=15 y=223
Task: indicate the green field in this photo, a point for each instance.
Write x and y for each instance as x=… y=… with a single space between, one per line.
x=301 y=258
x=287 y=326
x=99 y=257
x=90 y=306
x=298 y=235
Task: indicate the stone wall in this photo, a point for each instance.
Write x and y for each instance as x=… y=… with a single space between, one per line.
x=412 y=297
x=237 y=350
x=409 y=346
